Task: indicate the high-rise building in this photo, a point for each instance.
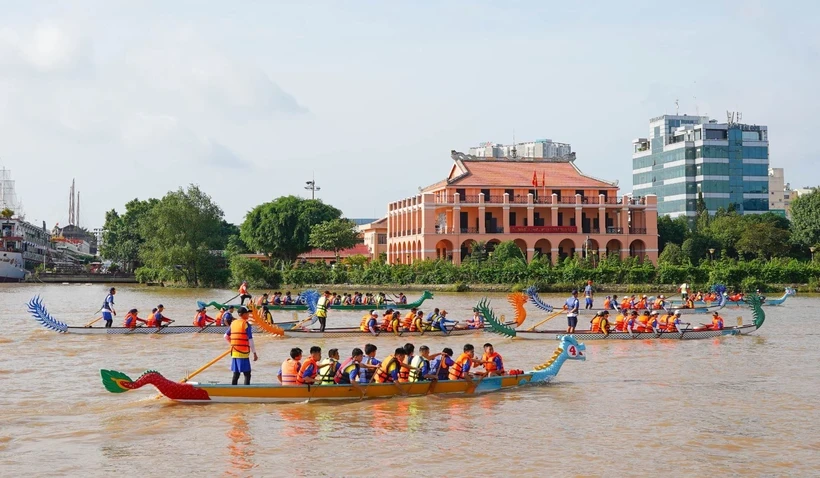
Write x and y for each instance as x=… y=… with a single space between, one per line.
x=778 y=192
x=686 y=155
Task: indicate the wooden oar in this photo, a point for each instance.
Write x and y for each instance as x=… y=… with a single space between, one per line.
x=202 y=368
x=554 y=315
x=473 y=385
x=93 y=321
x=232 y=298
x=296 y=326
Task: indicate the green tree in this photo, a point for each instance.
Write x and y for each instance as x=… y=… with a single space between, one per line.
x=334 y=235
x=6 y=213
x=122 y=238
x=182 y=233
x=672 y=230
x=508 y=250
x=806 y=219
x=725 y=230
x=281 y=228
x=672 y=255
x=695 y=247
x=478 y=251
x=763 y=240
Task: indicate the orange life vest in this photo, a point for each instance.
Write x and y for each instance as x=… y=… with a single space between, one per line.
x=240 y=344
x=363 y=323
x=670 y=323
x=243 y=289
x=596 y=324
x=300 y=376
x=457 y=371
x=130 y=321
x=290 y=370
x=489 y=363
x=619 y=322
x=717 y=323
x=218 y=319
x=404 y=373
x=641 y=304
x=408 y=320
x=383 y=373
x=199 y=319
x=607 y=304
x=625 y=304
x=658 y=304
x=152 y=321
x=386 y=324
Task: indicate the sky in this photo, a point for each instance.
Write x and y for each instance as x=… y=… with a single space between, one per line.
x=251 y=99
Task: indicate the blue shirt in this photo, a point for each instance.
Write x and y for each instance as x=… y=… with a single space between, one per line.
x=368 y=374
x=588 y=291
x=108 y=302
x=435 y=366
x=227 y=318
x=573 y=304
x=310 y=371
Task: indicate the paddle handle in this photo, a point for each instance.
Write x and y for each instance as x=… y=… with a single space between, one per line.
x=93 y=322
x=554 y=315
x=202 y=368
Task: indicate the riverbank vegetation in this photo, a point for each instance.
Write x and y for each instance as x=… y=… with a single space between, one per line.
x=184 y=239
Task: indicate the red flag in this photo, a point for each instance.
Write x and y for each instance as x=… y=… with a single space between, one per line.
x=535 y=179
x=544 y=179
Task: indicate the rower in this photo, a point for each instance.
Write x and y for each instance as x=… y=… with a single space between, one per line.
x=659 y=302
x=243 y=293
x=440 y=366
x=608 y=302
x=287 y=300
x=290 y=368
x=348 y=373
x=373 y=323
x=328 y=368
x=492 y=361
x=421 y=365
x=476 y=321
x=158 y=318
x=395 y=323
x=388 y=371
x=227 y=317
x=641 y=303
x=431 y=317
x=440 y=322
x=418 y=322
x=717 y=322
x=653 y=321
x=404 y=373
x=600 y=323
x=615 y=305
x=632 y=325
x=643 y=321
x=262 y=300
x=401 y=299
x=674 y=323
x=620 y=320
x=387 y=317
x=240 y=336
x=277 y=298
x=131 y=319
x=309 y=369
x=108 y=308
x=461 y=368
x=201 y=318
x=370 y=363
x=218 y=319
x=407 y=323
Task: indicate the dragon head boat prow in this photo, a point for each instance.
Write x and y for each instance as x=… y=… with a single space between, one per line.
x=118 y=382
x=38 y=310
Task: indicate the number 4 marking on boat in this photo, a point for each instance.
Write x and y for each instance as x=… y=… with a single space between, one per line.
x=572 y=351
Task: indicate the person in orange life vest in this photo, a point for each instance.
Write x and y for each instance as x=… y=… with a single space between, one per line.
x=643 y=322
x=620 y=320
x=626 y=304
x=600 y=323
x=388 y=371
x=659 y=303
x=404 y=372
x=642 y=303
x=201 y=318
x=309 y=369
x=373 y=323
x=674 y=323
x=408 y=319
x=150 y=321
x=653 y=322
x=157 y=318
x=492 y=361
x=131 y=319
x=290 y=368
x=476 y=321
x=440 y=366
x=386 y=318
x=632 y=325
x=218 y=318
x=240 y=336
x=243 y=292
x=461 y=368
x=690 y=304
x=418 y=322
x=699 y=296
x=607 y=302
x=717 y=322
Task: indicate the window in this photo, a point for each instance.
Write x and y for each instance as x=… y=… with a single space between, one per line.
x=719 y=134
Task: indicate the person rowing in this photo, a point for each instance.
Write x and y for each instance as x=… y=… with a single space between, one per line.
x=476 y=321
x=131 y=319
x=492 y=361
x=350 y=372
x=440 y=322
x=422 y=369
x=328 y=368
x=440 y=366
x=464 y=363
x=157 y=318
x=201 y=318
x=290 y=368
x=310 y=367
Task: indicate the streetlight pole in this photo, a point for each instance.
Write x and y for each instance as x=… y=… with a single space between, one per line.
x=312 y=187
x=812 y=249
x=711 y=254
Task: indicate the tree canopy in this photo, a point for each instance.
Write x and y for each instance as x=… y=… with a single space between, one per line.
x=122 y=238
x=806 y=219
x=334 y=235
x=281 y=228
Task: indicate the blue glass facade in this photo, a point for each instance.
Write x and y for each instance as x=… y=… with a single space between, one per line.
x=707 y=158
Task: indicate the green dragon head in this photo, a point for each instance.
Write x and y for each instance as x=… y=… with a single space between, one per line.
x=491 y=321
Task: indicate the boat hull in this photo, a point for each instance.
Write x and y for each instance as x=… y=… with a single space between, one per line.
x=356 y=332
x=167 y=330
x=12 y=267
x=687 y=334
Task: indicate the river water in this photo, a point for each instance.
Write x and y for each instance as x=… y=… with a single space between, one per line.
x=742 y=406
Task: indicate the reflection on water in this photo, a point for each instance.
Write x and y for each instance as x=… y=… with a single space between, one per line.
x=736 y=406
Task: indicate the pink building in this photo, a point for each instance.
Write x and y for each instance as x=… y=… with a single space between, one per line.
x=547 y=206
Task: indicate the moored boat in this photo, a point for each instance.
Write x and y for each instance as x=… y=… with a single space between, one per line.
x=687 y=333
x=44 y=318
x=193 y=392
x=307 y=306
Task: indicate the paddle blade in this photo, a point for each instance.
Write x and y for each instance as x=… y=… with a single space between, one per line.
x=113 y=381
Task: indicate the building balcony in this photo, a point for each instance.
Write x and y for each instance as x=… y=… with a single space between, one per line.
x=495 y=230
x=614 y=230
x=637 y=230
x=566 y=199
x=470 y=199
x=469 y=230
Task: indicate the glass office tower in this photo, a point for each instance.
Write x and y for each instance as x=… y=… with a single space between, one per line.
x=686 y=155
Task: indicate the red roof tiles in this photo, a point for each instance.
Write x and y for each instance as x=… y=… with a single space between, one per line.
x=519 y=174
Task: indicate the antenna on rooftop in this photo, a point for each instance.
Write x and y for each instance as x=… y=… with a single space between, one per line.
x=677 y=107
x=514 y=151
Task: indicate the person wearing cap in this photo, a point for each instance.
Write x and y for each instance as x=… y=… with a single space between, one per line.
x=600 y=323
x=108 y=307
x=476 y=321
x=240 y=336
x=620 y=320
x=588 y=295
x=201 y=318
x=441 y=321
x=243 y=292
x=373 y=323
x=717 y=322
x=157 y=318
x=572 y=306
x=674 y=323
x=654 y=323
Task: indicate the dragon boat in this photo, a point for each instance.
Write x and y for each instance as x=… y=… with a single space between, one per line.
x=203 y=393
x=536 y=300
x=768 y=302
x=516 y=299
x=310 y=300
x=39 y=312
x=688 y=333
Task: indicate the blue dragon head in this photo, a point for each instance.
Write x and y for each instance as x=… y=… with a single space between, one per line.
x=790 y=291
x=719 y=289
x=573 y=349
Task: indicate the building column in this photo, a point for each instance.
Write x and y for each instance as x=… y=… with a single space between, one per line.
x=505 y=212
x=389 y=216
x=457 y=220
x=554 y=216
x=555 y=253
x=530 y=254
x=601 y=220
x=481 y=223
x=579 y=219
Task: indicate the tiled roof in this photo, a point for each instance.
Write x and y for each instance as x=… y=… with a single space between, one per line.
x=519 y=174
x=320 y=253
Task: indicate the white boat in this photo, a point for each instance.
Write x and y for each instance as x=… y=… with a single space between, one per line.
x=11 y=266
